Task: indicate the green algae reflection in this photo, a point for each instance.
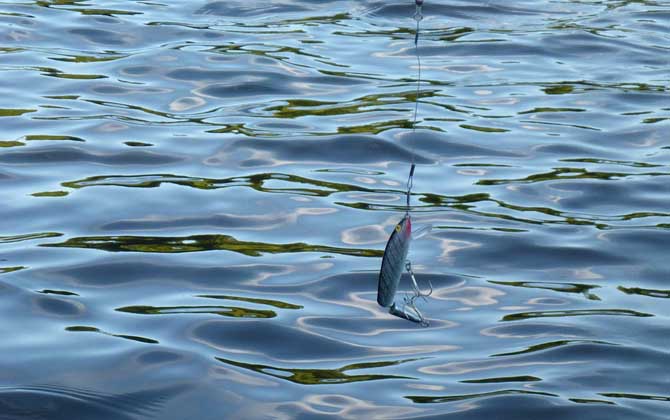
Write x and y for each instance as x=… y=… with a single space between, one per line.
x=297 y=108
x=579 y=288
x=321 y=376
x=269 y=302
x=453 y=398
x=292 y=184
x=590 y=401
x=11 y=143
x=583 y=312
x=550 y=345
x=558 y=89
x=57 y=292
x=79 y=328
x=636 y=396
x=500 y=380
x=483 y=129
x=231 y=311
x=52 y=137
x=258 y=182
x=28 y=237
x=197 y=243
x=4 y=270
x=562 y=174
x=50 y=194
x=645 y=292
x=9 y=112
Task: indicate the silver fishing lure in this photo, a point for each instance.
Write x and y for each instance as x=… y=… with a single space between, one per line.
x=393 y=261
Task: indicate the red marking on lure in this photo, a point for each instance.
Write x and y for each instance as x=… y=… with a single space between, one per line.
x=393 y=261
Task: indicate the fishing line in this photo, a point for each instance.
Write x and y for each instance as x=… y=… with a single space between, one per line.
x=418 y=17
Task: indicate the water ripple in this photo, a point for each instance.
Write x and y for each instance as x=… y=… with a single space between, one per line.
x=196 y=198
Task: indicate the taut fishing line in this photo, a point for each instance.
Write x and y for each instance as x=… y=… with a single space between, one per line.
x=394 y=260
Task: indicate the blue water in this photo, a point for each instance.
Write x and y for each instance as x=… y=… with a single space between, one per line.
x=196 y=197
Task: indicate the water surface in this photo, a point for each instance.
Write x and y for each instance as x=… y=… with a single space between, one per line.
x=196 y=197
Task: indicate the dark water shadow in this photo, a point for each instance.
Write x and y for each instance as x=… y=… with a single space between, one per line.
x=350 y=150
x=47 y=401
x=274 y=340
x=53 y=155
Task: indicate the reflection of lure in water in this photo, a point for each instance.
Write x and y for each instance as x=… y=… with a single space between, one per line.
x=395 y=261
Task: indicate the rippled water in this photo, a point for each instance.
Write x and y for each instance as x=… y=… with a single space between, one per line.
x=196 y=197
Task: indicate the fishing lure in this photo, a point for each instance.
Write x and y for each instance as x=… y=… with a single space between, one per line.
x=394 y=260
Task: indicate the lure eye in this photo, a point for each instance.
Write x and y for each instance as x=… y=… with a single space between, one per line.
x=398 y=228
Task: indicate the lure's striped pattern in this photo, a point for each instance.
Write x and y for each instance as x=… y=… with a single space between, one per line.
x=393 y=262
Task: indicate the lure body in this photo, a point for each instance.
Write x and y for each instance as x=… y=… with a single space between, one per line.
x=393 y=261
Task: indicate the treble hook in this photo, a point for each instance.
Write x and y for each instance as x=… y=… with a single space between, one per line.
x=410 y=310
x=417 y=290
